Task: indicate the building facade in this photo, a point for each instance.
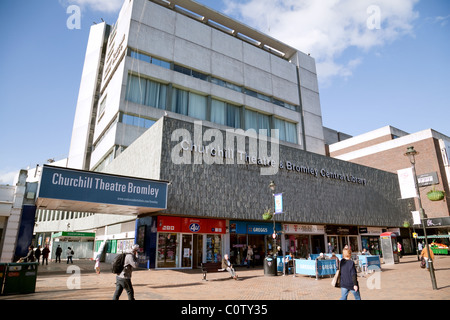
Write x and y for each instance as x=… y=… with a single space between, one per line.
x=385 y=149
x=164 y=57
x=177 y=92
x=216 y=198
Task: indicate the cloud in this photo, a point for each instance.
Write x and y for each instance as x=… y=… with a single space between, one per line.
x=327 y=28
x=8 y=177
x=108 y=6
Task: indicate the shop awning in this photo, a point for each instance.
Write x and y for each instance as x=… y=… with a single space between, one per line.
x=85 y=191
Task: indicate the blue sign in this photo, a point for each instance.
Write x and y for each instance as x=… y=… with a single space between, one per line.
x=76 y=185
x=194 y=227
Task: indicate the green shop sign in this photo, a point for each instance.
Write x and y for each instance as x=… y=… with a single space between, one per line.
x=73 y=234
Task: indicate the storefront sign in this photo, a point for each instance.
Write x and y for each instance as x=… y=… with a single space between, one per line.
x=243 y=227
x=191 y=225
x=341 y=230
x=303 y=228
x=86 y=186
x=427 y=179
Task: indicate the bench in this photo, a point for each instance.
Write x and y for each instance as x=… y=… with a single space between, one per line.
x=211 y=267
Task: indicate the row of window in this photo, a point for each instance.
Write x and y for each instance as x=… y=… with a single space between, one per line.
x=202 y=76
x=150 y=93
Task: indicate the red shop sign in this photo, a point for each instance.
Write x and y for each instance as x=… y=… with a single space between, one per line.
x=169 y=224
x=194 y=225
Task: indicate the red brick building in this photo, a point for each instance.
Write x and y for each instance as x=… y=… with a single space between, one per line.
x=385 y=149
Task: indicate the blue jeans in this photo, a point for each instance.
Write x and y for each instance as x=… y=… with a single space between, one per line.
x=345 y=291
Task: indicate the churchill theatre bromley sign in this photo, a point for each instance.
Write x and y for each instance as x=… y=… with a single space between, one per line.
x=76 y=185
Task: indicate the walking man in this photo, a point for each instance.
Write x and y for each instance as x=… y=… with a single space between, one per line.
x=123 y=280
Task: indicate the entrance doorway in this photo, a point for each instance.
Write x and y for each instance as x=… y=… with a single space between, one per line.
x=186 y=250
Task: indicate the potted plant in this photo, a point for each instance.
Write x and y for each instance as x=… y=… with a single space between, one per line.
x=436 y=195
x=267 y=215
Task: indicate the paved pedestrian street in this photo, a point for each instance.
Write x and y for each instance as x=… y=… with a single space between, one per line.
x=406 y=281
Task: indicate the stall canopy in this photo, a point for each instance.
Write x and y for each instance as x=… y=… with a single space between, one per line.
x=85 y=191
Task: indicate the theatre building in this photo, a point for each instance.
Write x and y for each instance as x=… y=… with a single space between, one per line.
x=179 y=94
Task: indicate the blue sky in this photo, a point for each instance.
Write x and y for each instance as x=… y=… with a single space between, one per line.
x=395 y=74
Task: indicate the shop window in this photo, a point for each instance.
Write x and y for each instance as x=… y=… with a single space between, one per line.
x=167 y=250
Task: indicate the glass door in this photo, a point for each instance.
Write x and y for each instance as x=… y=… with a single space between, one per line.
x=186 y=251
x=167 y=250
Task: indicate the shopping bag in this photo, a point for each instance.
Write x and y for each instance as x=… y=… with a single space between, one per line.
x=336 y=282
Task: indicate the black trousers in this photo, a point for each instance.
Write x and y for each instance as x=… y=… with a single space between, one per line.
x=121 y=284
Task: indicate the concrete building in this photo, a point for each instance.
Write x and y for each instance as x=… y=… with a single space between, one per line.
x=165 y=57
x=178 y=93
x=385 y=149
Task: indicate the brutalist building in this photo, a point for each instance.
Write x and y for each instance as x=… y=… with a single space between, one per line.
x=178 y=92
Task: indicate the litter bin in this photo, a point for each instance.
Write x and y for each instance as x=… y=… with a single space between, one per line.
x=270 y=266
x=2 y=275
x=20 y=278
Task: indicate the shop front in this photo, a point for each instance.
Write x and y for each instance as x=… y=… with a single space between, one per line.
x=257 y=235
x=187 y=242
x=340 y=236
x=302 y=239
x=370 y=239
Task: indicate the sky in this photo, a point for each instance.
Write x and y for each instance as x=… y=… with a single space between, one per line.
x=379 y=62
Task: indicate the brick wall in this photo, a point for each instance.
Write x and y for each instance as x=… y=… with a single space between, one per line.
x=428 y=160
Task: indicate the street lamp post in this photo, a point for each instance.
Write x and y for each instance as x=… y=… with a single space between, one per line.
x=411 y=153
x=274 y=235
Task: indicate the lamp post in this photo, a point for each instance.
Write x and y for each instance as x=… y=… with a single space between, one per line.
x=411 y=153
x=272 y=186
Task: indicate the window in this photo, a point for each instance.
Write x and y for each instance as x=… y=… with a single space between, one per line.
x=147 y=92
x=136 y=121
x=257 y=121
x=287 y=131
x=180 y=101
x=197 y=106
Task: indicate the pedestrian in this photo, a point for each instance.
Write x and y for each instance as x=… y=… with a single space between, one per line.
x=70 y=254
x=123 y=280
x=399 y=249
x=289 y=263
x=30 y=255
x=37 y=253
x=424 y=255
x=349 y=278
x=244 y=255
x=226 y=264
x=330 y=247
x=58 y=254
x=250 y=257
x=97 y=264
x=420 y=246
x=45 y=253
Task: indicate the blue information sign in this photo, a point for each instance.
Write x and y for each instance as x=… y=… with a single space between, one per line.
x=76 y=185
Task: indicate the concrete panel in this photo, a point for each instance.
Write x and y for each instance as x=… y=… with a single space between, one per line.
x=283 y=69
x=309 y=80
x=227 y=45
x=189 y=54
x=311 y=101
x=148 y=13
x=256 y=57
x=285 y=90
x=224 y=67
x=191 y=30
x=151 y=40
x=258 y=80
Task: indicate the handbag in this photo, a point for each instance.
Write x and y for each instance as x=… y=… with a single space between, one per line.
x=336 y=282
